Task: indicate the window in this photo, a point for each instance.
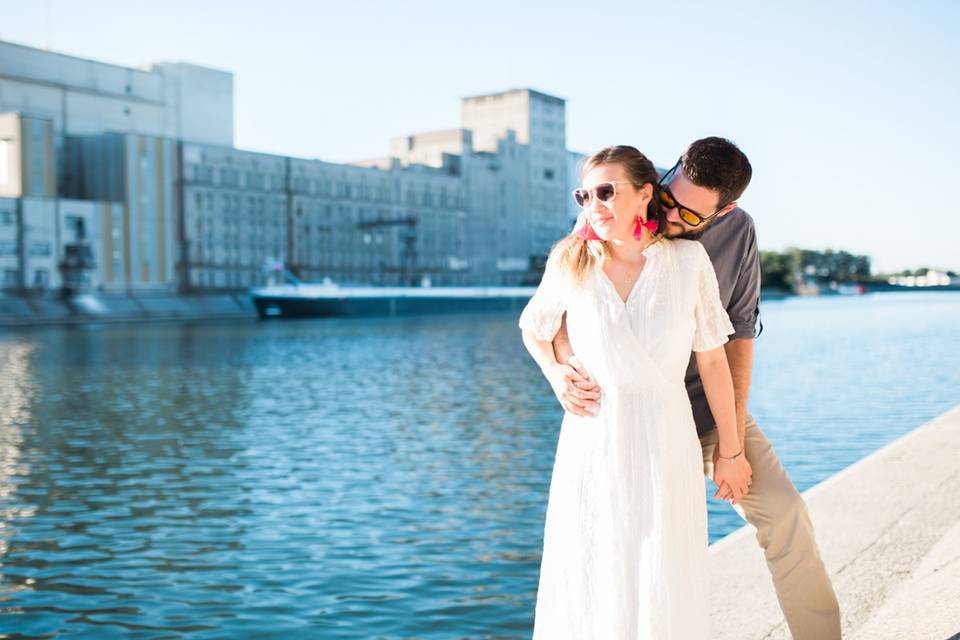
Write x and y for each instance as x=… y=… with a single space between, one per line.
x=78 y=227
x=6 y=217
x=548 y=174
x=41 y=278
x=5 y=161
x=8 y=247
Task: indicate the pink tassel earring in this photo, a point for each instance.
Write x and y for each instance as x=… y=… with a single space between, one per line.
x=587 y=233
x=650 y=225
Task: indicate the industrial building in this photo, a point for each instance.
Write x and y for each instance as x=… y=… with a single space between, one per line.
x=123 y=180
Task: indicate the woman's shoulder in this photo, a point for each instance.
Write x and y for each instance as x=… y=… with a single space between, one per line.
x=690 y=249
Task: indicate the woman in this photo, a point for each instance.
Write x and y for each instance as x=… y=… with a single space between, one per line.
x=625 y=542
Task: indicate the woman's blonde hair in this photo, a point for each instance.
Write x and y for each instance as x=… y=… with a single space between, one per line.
x=577 y=256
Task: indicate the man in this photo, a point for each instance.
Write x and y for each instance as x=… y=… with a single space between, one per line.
x=699 y=197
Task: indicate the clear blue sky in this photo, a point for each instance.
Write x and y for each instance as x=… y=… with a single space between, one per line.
x=848 y=111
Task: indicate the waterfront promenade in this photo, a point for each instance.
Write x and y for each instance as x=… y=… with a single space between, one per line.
x=26 y=311
x=889 y=532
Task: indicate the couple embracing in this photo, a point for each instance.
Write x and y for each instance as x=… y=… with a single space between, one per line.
x=658 y=268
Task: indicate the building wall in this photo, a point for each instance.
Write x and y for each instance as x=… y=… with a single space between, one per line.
x=83 y=221
x=27 y=157
x=548 y=168
x=83 y=97
x=574 y=166
x=199 y=103
x=34 y=232
x=40 y=244
x=351 y=224
x=437 y=200
x=490 y=116
x=138 y=173
x=527 y=129
x=341 y=223
x=235 y=216
x=433 y=148
x=10 y=266
x=173 y=205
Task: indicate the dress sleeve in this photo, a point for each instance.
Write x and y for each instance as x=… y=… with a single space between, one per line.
x=713 y=325
x=543 y=313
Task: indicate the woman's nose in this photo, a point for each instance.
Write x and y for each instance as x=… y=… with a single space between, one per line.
x=596 y=205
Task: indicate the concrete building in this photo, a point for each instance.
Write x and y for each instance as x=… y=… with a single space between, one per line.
x=88 y=151
x=138 y=167
x=575 y=162
x=538 y=122
x=137 y=175
x=27 y=157
x=81 y=97
x=47 y=229
x=435 y=210
x=235 y=215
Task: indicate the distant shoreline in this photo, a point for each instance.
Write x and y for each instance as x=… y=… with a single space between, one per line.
x=45 y=311
x=774 y=293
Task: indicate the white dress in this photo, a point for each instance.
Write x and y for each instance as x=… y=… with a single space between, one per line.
x=625 y=541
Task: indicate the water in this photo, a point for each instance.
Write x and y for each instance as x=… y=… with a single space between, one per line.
x=362 y=478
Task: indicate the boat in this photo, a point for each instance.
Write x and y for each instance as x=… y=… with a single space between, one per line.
x=306 y=300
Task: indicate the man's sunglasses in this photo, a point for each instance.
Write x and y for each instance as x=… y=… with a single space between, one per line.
x=604 y=192
x=667 y=200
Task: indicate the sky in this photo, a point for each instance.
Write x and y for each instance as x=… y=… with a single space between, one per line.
x=847 y=110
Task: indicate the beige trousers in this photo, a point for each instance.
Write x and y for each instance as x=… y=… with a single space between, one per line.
x=785 y=534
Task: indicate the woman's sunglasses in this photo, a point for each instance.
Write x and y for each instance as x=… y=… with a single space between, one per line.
x=604 y=192
x=668 y=201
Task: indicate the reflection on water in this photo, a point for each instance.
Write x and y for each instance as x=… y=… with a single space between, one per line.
x=361 y=478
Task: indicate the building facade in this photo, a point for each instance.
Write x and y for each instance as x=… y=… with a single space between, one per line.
x=139 y=165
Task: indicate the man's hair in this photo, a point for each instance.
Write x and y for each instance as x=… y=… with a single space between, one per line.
x=717 y=164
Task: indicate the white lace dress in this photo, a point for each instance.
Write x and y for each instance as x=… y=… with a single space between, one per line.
x=625 y=541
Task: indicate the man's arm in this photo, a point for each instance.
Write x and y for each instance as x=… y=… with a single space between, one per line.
x=582 y=393
x=740 y=358
x=743 y=309
x=562 y=348
x=732 y=477
x=563 y=378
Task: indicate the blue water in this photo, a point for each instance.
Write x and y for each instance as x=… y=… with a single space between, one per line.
x=362 y=478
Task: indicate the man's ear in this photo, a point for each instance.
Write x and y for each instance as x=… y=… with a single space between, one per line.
x=727 y=209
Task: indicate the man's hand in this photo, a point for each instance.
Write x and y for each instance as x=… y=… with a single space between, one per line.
x=574 y=388
x=733 y=479
x=723 y=490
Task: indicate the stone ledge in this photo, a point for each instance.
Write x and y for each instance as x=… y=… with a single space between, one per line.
x=876 y=522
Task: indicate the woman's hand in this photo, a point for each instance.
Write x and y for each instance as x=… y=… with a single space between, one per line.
x=574 y=389
x=732 y=478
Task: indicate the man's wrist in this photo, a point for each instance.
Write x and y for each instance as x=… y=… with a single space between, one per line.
x=728 y=455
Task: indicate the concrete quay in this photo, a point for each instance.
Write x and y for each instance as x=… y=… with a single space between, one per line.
x=888 y=528
x=26 y=311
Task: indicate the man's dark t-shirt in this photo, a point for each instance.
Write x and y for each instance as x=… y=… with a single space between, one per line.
x=731 y=243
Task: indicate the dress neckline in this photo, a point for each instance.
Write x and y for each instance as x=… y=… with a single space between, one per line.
x=648 y=252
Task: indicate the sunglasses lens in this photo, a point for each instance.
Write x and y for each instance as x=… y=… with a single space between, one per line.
x=689 y=217
x=665 y=199
x=605 y=192
x=582 y=197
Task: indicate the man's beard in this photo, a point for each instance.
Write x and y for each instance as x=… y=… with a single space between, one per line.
x=690 y=234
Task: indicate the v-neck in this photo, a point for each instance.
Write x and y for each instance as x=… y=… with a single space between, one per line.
x=616 y=291
x=647 y=254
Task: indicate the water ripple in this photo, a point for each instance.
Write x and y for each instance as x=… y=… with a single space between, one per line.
x=381 y=478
